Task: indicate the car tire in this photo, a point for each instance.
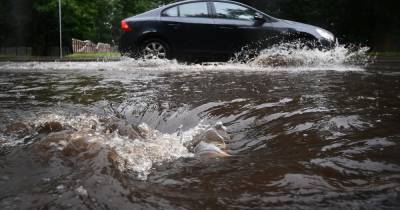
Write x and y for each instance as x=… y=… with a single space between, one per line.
x=155 y=49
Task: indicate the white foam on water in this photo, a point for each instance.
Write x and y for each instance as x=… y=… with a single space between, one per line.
x=289 y=58
x=136 y=157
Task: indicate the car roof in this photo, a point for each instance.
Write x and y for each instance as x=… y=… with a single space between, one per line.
x=156 y=12
x=227 y=1
x=189 y=1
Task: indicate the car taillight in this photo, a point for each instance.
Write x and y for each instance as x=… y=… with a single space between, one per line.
x=125 y=27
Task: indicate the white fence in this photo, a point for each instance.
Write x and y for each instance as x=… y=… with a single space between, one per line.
x=79 y=46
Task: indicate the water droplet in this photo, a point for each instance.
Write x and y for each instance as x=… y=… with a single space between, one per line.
x=81 y=191
x=46 y=179
x=60 y=187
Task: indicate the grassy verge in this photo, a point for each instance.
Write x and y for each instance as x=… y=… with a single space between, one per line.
x=93 y=55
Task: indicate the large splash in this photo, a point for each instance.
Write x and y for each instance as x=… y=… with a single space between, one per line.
x=103 y=141
x=284 y=57
x=297 y=55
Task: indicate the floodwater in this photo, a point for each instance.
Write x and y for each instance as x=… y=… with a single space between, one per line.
x=306 y=130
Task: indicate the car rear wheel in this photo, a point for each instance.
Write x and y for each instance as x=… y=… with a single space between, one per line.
x=155 y=49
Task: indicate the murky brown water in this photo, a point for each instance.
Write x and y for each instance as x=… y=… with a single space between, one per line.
x=300 y=139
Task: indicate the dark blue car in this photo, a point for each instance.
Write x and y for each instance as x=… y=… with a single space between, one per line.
x=211 y=29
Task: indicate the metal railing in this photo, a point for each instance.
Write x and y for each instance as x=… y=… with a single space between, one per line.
x=27 y=51
x=16 y=51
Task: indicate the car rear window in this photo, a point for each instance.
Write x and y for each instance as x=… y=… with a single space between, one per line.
x=198 y=9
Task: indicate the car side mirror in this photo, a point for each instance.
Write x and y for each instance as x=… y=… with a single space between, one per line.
x=259 y=17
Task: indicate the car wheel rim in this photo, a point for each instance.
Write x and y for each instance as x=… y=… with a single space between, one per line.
x=154 y=50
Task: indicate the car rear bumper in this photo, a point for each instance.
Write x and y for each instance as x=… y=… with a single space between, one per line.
x=127 y=43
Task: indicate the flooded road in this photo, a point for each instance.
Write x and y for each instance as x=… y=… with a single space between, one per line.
x=309 y=136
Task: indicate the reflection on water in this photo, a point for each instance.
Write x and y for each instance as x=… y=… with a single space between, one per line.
x=298 y=139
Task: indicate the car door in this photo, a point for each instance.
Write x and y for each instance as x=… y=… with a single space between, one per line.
x=190 y=27
x=236 y=26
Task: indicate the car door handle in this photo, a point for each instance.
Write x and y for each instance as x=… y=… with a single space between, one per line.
x=175 y=25
x=228 y=27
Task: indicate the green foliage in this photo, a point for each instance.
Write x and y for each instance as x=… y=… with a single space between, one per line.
x=81 y=18
x=95 y=20
x=4 y=18
x=93 y=55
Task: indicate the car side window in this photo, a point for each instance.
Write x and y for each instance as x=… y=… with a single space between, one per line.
x=197 y=9
x=171 y=12
x=233 y=11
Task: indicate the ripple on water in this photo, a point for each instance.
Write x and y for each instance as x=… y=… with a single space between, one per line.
x=299 y=139
x=354 y=167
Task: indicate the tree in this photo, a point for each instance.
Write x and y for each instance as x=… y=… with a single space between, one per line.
x=82 y=19
x=95 y=20
x=4 y=24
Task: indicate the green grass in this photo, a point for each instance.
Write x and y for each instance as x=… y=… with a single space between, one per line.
x=93 y=55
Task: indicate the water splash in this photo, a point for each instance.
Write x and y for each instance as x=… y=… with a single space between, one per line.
x=130 y=155
x=132 y=150
x=284 y=57
x=297 y=55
